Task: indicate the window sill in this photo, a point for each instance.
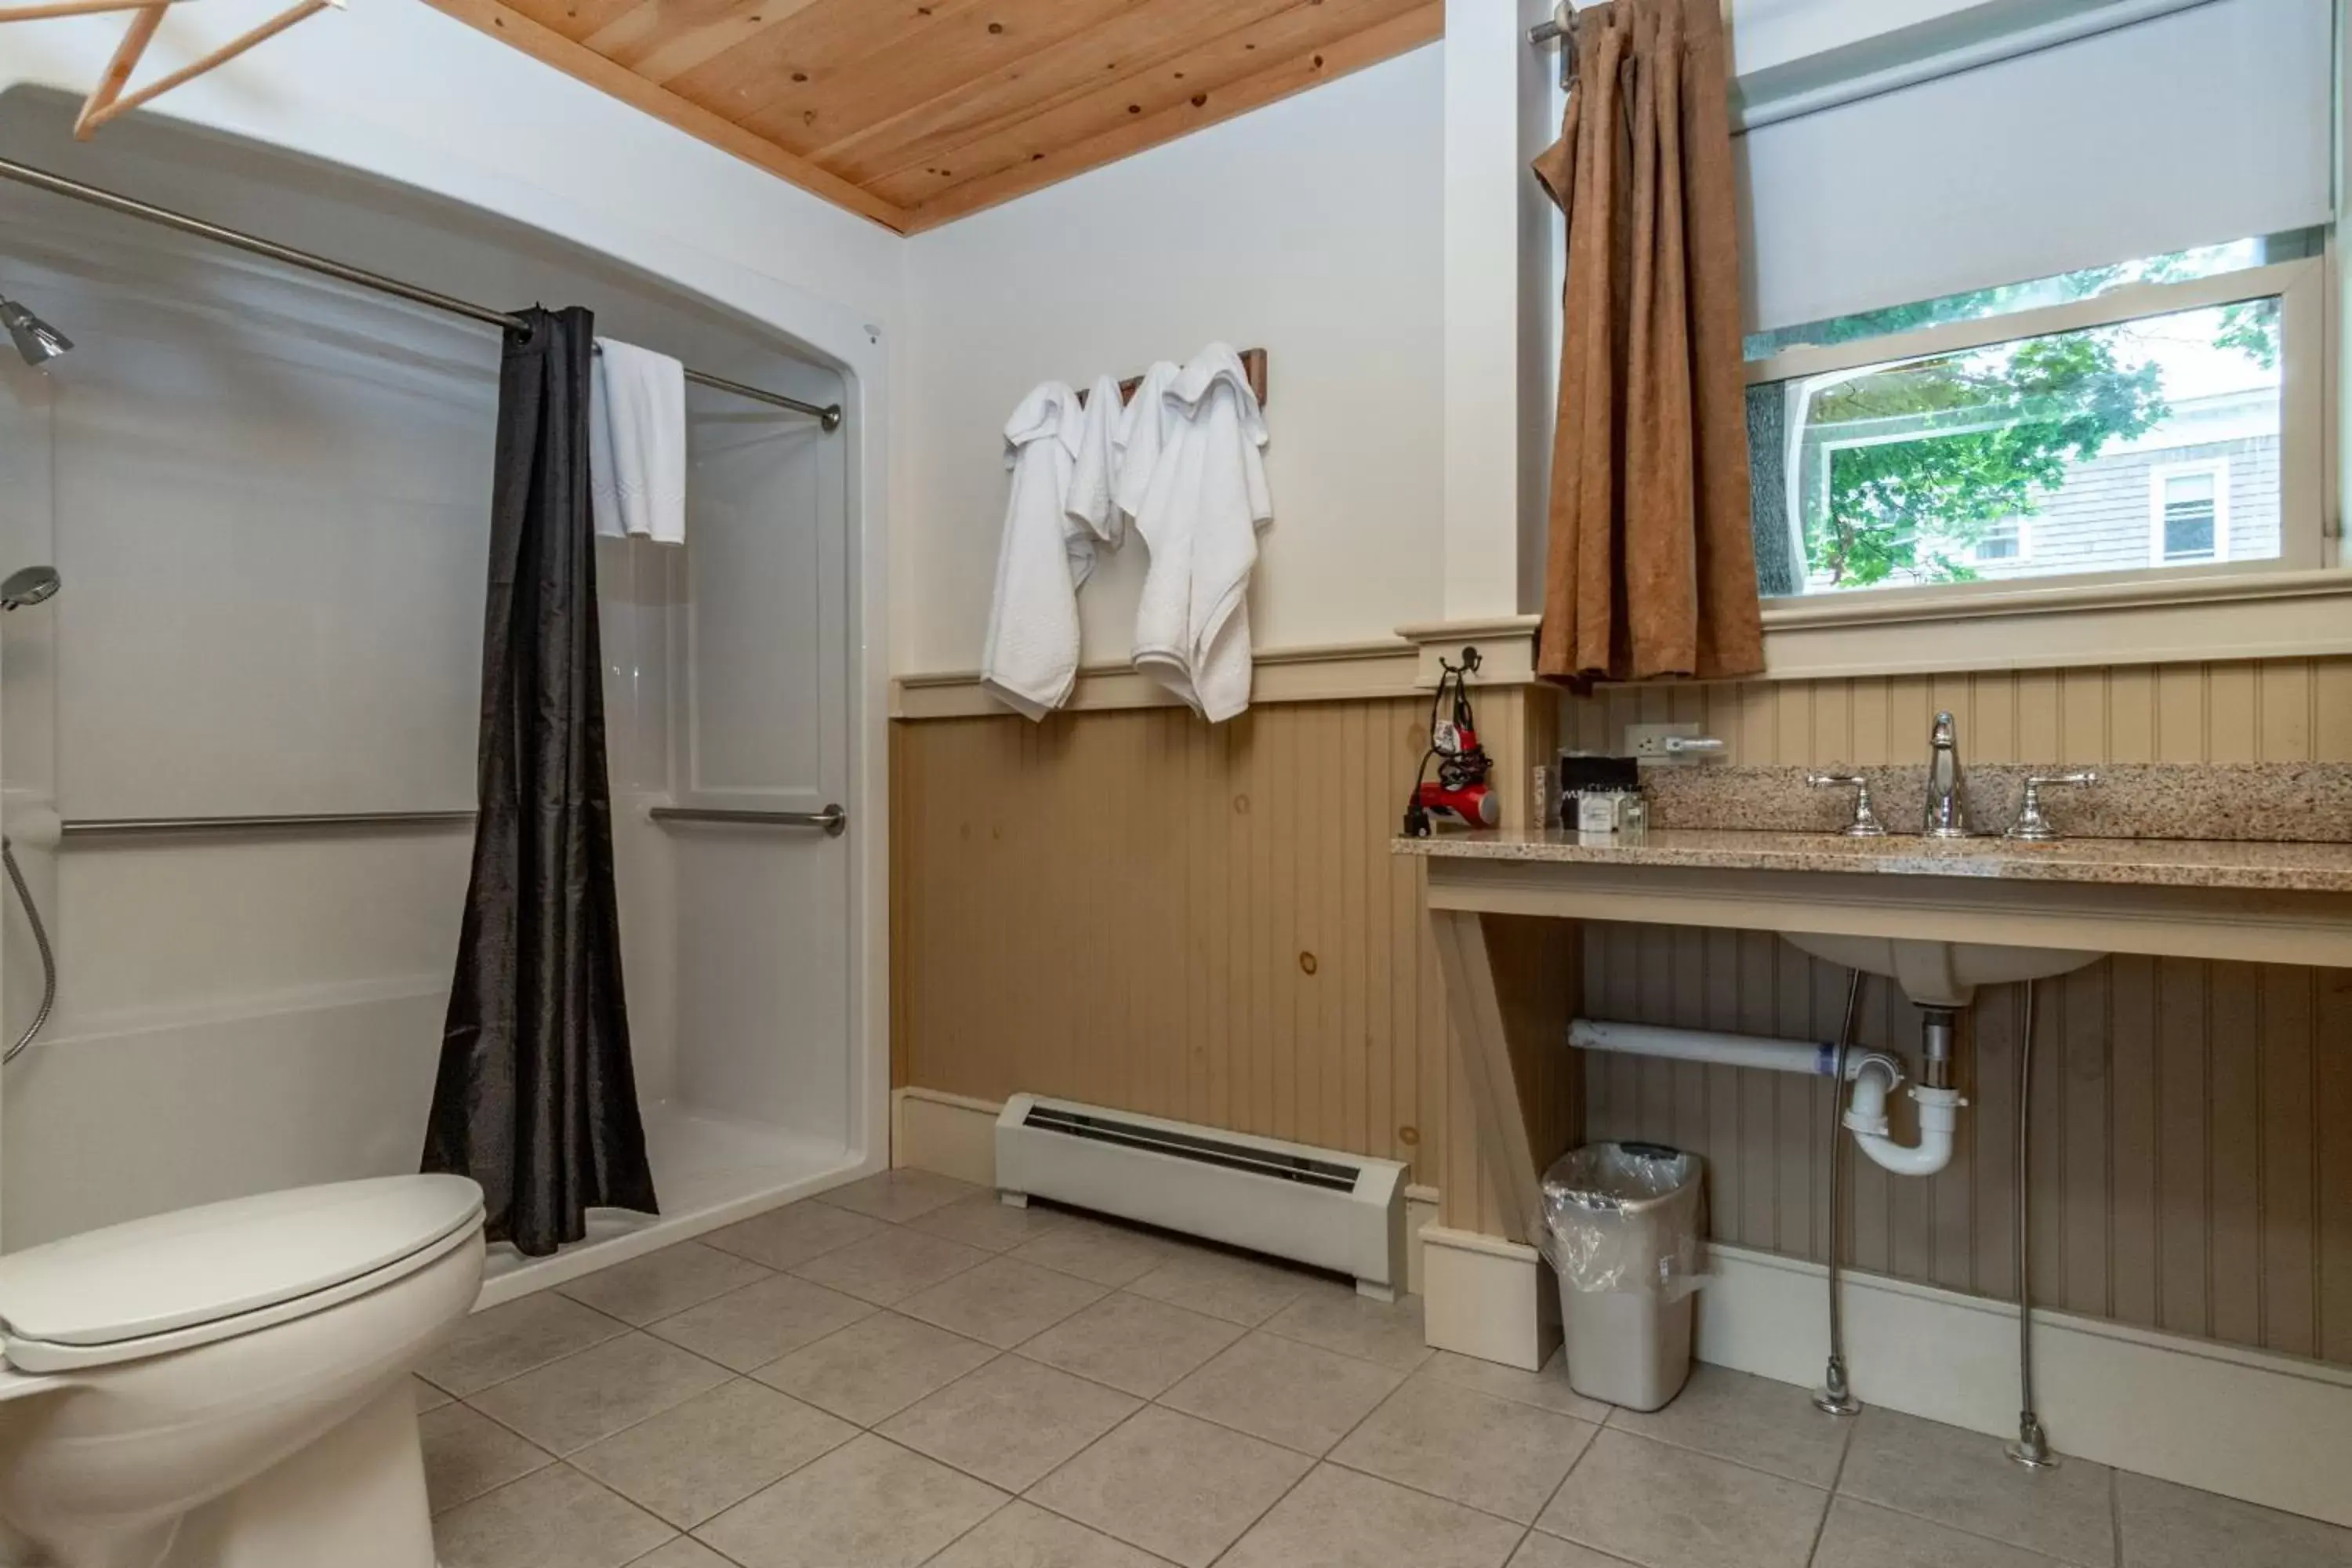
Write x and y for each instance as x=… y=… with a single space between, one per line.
x=2203 y=616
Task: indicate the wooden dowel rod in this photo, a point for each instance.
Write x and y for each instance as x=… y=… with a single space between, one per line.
x=47 y=8
x=219 y=57
x=117 y=71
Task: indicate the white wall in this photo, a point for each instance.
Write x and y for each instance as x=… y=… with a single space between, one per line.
x=1310 y=228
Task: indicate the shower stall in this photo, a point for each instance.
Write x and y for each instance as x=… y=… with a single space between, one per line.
x=237 y=748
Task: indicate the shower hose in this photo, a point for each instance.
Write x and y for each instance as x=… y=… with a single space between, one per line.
x=40 y=940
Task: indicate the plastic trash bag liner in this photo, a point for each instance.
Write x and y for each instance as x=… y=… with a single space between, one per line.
x=1624 y=1216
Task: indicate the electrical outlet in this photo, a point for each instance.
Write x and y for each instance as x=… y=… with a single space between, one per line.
x=1648 y=742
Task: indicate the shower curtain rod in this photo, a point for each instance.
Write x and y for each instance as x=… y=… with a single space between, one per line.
x=827 y=415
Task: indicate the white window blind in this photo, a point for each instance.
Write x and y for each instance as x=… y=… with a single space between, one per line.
x=2196 y=127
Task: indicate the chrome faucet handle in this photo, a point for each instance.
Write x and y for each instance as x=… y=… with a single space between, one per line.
x=1865 y=823
x=2031 y=826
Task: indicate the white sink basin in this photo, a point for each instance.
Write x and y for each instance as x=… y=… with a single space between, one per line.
x=1943 y=973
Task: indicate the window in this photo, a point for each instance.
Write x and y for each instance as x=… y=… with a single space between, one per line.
x=2162 y=424
x=2001 y=544
x=2089 y=283
x=2188 y=513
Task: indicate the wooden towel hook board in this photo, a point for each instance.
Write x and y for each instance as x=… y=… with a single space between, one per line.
x=1253 y=366
x=107 y=100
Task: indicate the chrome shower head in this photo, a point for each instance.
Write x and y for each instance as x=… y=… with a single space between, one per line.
x=38 y=340
x=29 y=585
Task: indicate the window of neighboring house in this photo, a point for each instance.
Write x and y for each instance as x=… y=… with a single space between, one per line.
x=1995 y=448
x=2188 y=513
x=2003 y=543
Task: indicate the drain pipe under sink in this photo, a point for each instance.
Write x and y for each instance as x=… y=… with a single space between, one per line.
x=1875 y=1076
x=1815 y=1058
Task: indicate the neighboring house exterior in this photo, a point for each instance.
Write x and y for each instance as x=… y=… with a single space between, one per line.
x=2203 y=487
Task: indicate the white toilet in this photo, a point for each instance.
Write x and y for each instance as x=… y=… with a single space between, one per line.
x=225 y=1387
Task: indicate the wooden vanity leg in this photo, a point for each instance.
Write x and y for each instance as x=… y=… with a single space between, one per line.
x=1512 y=984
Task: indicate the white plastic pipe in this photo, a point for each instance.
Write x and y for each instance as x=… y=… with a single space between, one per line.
x=1866 y=1117
x=1807 y=1056
x=1876 y=1075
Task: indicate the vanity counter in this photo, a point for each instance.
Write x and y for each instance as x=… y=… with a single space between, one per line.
x=2127 y=862
x=1504 y=907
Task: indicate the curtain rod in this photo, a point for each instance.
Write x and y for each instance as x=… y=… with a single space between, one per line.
x=828 y=416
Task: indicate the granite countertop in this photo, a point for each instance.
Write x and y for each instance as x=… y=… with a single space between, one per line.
x=2143 y=862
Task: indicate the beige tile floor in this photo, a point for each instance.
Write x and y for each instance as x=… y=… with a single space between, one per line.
x=905 y=1371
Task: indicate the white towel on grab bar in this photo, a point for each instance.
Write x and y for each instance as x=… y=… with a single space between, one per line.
x=1031 y=661
x=636 y=443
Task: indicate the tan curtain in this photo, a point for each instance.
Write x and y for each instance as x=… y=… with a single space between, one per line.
x=1651 y=571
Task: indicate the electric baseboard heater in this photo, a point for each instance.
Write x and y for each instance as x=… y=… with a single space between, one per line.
x=1341 y=1212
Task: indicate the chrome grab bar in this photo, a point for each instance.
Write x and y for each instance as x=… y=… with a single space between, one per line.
x=832 y=819
x=333 y=821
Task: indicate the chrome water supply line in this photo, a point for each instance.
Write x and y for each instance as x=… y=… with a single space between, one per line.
x=2032 y=1447
x=1833 y=1397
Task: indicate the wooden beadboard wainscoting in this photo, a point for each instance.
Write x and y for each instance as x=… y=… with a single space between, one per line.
x=1135 y=909
x=2192 y=1131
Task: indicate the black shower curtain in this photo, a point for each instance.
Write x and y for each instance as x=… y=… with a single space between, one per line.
x=536 y=1098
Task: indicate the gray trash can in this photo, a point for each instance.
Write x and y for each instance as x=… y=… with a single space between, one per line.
x=1622 y=1224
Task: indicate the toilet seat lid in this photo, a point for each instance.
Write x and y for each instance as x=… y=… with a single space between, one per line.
x=202 y=1265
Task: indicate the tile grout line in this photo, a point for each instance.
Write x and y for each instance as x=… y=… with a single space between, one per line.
x=1552 y=1496
x=1457 y=1502
x=2033 y=1552
x=732 y=1376
x=625 y=1328
x=1317 y=1461
x=557 y=1462
x=1837 y=1478
x=1720 y=1459
x=2115 y=1512
x=1011 y=1497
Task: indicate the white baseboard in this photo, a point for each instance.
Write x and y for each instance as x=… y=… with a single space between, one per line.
x=2266 y=1429
x=1420 y=1213
x=951 y=1134
x=2270 y=1429
x=1489 y=1298
x=955 y=1135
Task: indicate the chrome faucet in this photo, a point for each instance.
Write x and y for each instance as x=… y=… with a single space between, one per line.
x=1947 y=807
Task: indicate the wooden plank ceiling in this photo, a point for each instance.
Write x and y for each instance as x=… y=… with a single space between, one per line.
x=917 y=112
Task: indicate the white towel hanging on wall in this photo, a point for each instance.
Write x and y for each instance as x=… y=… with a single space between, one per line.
x=636 y=443
x=1031 y=660
x=1143 y=432
x=1200 y=514
x=1092 y=499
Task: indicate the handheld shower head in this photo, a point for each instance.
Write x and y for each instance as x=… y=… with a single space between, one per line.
x=35 y=340
x=29 y=585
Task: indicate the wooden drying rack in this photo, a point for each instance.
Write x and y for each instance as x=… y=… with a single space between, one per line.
x=109 y=99
x=1253 y=366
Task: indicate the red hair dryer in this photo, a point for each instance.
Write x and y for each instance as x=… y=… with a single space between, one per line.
x=1460 y=794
